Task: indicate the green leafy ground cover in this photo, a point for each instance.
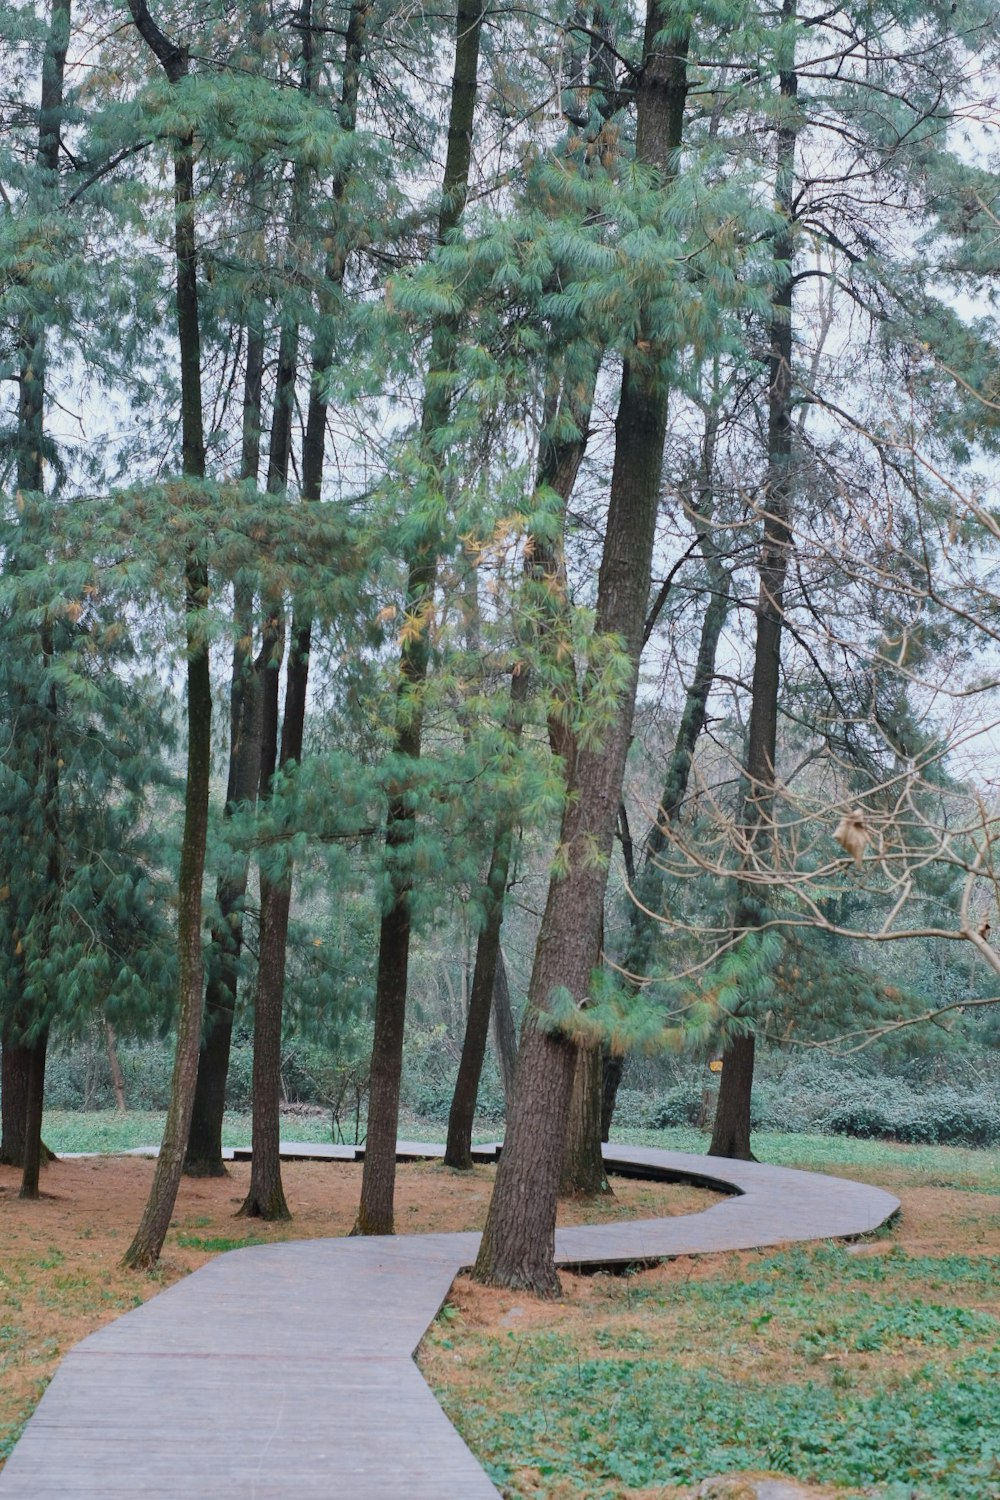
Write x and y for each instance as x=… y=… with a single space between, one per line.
x=870 y=1368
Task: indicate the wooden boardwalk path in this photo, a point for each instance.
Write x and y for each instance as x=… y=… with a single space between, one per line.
x=285 y=1372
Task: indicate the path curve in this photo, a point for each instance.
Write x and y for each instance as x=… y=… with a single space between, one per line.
x=286 y=1372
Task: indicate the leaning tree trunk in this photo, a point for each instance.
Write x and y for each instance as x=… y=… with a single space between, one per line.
x=375 y=1211
x=517 y=1248
x=731 y=1135
x=145 y=1248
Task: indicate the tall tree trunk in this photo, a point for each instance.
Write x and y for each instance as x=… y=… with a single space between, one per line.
x=204 y=1148
x=731 y=1134
x=558 y=468
x=145 y=1248
x=265 y=1197
x=518 y=1240
x=647 y=883
x=32 y=379
x=375 y=1211
x=504 y=1031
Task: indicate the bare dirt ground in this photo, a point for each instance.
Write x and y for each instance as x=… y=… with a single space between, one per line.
x=60 y=1276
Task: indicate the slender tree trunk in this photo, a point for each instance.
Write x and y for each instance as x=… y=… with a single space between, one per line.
x=731 y=1134
x=265 y=1198
x=504 y=1030
x=648 y=882
x=117 y=1081
x=375 y=1211
x=145 y=1248
x=33 y=1117
x=558 y=468
x=518 y=1240
x=204 y=1149
x=31 y=479
x=458 y=1146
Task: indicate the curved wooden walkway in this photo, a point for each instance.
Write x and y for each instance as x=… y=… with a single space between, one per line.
x=285 y=1372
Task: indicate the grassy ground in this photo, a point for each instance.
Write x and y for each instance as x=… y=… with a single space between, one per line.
x=869 y=1368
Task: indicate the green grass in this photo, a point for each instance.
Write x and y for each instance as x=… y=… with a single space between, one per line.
x=111 y=1130
x=930 y=1166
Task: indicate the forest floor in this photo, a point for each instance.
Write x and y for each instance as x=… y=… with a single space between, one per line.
x=60 y=1276
x=871 y=1369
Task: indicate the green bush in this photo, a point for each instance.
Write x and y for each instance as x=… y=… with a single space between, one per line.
x=818 y=1095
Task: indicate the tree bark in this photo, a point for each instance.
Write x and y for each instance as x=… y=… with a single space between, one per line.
x=33 y=1117
x=731 y=1129
x=642 y=928
x=518 y=1241
x=32 y=377
x=265 y=1198
x=504 y=1031
x=583 y=1174
x=204 y=1148
x=731 y=1134
x=458 y=1146
x=559 y=465
x=145 y=1248
x=375 y=1211
x=16 y=1062
x=117 y=1081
